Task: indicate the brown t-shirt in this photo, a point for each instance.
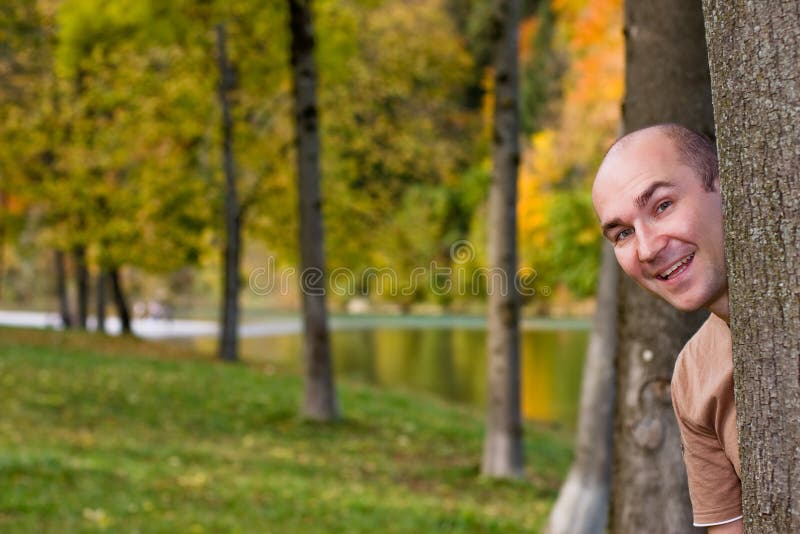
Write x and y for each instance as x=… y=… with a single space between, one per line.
x=702 y=395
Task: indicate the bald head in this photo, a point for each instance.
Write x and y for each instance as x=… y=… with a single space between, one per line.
x=693 y=148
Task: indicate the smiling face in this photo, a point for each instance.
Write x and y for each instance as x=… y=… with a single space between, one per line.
x=665 y=226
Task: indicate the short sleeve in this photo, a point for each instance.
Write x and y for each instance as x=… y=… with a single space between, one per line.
x=714 y=486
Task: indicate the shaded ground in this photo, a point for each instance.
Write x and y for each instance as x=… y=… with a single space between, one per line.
x=132 y=436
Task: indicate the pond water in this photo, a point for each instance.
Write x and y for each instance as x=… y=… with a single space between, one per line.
x=448 y=360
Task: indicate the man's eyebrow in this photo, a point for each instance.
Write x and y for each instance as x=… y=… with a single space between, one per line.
x=610 y=225
x=642 y=200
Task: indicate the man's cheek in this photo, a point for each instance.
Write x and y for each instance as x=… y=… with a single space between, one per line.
x=629 y=267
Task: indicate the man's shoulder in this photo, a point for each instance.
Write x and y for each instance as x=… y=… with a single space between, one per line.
x=712 y=335
x=704 y=367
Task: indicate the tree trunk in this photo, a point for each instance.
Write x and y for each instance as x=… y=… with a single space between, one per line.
x=82 y=283
x=666 y=80
x=3 y=233
x=120 y=301
x=100 y=303
x=61 y=289
x=228 y=343
x=502 y=447
x=582 y=505
x=320 y=396
x=754 y=49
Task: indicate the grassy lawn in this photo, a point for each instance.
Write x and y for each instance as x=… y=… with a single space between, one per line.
x=131 y=436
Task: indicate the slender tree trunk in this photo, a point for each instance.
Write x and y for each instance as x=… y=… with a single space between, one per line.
x=120 y=301
x=582 y=505
x=82 y=283
x=61 y=289
x=666 y=80
x=502 y=446
x=3 y=232
x=320 y=396
x=100 y=295
x=228 y=343
x=754 y=49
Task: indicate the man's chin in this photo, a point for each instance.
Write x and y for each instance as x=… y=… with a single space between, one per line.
x=682 y=304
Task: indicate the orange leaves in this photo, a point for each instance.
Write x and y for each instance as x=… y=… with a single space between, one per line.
x=560 y=159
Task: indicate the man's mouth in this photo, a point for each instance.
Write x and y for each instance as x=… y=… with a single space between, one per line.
x=676 y=269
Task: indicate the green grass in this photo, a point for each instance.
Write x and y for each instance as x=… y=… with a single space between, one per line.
x=129 y=436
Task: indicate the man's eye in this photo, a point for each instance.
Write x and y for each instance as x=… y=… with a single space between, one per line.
x=623 y=234
x=664 y=205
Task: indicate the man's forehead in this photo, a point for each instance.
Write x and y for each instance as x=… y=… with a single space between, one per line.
x=646 y=152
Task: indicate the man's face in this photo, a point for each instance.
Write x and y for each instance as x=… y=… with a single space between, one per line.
x=666 y=228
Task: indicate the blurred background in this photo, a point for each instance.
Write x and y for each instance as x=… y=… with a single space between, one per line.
x=112 y=209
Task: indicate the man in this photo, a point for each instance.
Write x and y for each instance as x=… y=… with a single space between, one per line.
x=658 y=199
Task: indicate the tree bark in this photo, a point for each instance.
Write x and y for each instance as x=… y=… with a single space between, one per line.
x=228 y=343
x=502 y=447
x=320 y=393
x=82 y=283
x=120 y=301
x=100 y=303
x=582 y=505
x=666 y=80
x=754 y=50
x=61 y=289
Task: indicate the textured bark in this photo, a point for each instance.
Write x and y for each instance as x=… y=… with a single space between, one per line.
x=120 y=301
x=502 y=447
x=320 y=395
x=582 y=505
x=100 y=300
x=82 y=284
x=666 y=80
x=754 y=50
x=228 y=342
x=61 y=289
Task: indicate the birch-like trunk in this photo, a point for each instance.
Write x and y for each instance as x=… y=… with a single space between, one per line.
x=582 y=505
x=502 y=447
x=754 y=50
x=320 y=395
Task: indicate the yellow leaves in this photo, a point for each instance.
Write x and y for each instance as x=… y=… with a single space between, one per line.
x=540 y=169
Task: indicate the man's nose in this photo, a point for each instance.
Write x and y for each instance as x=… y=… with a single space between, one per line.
x=650 y=244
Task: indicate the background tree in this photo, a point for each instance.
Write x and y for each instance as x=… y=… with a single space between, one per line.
x=666 y=80
x=754 y=51
x=320 y=397
x=583 y=501
x=229 y=335
x=502 y=449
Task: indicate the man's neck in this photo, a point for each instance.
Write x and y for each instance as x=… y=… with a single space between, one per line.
x=721 y=309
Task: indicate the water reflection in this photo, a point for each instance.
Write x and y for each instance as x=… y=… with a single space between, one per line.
x=448 y=362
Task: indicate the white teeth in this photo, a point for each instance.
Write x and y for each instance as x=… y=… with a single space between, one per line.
x=669 y=271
